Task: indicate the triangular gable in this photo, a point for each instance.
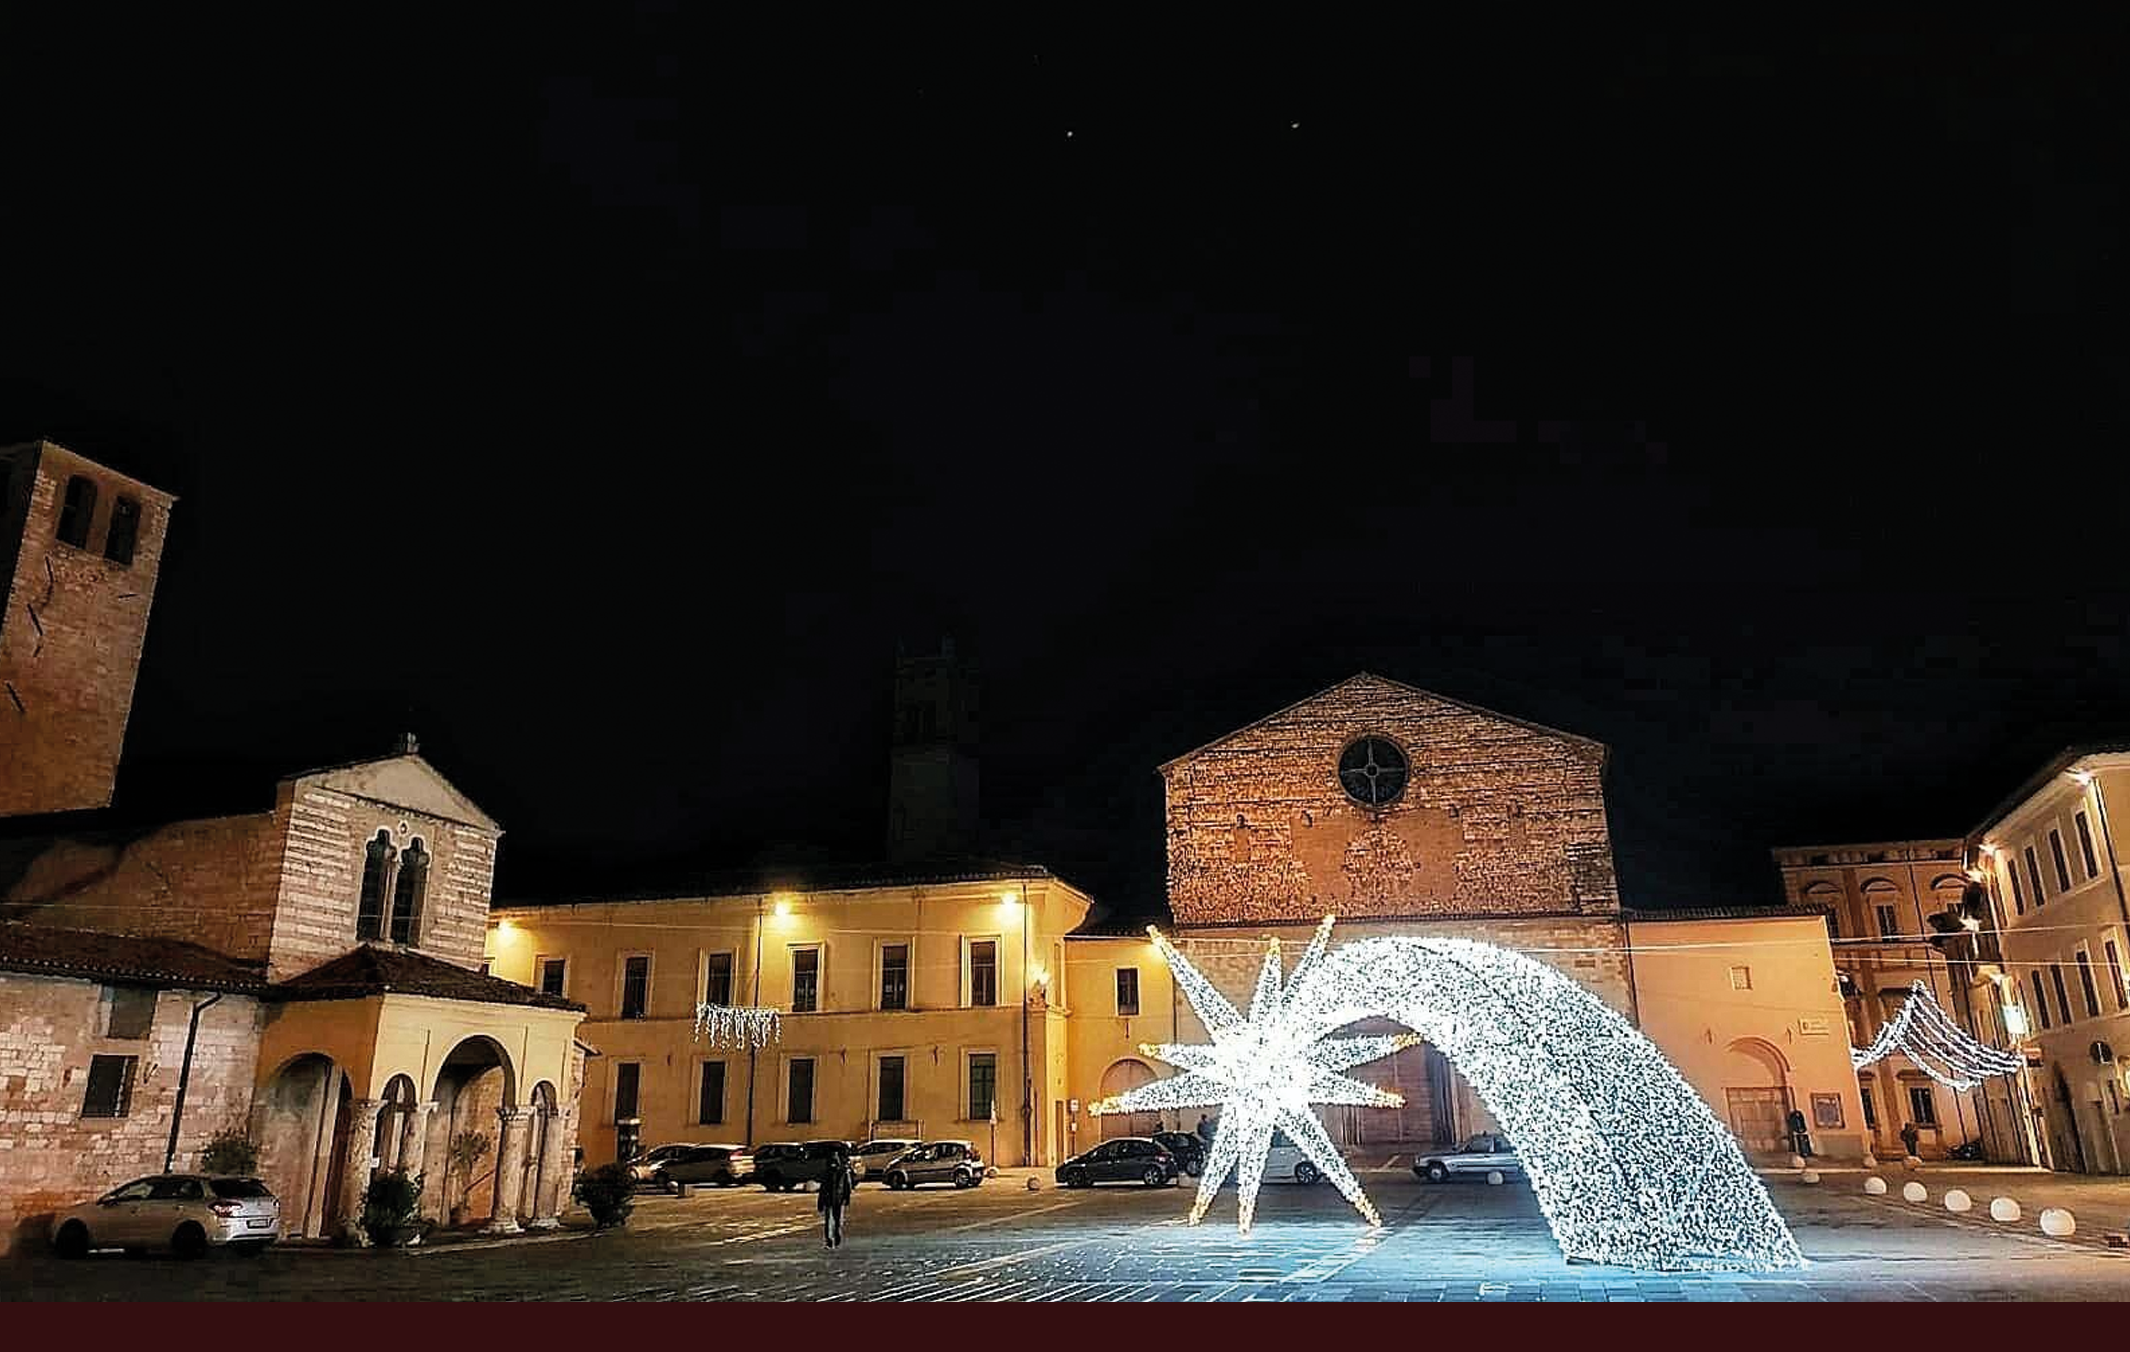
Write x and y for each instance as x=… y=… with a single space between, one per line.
x=403 y=781
x=1387 y=686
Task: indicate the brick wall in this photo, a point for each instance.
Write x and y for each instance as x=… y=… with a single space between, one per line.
x=210 y=882
x=1497 y=819
x=70 y=637
x=50 y=1156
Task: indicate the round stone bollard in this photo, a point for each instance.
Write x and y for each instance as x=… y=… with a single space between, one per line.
x=2004 y=1209
x=1957 y=1201
x=1871 y=1161
x=1035 y=1184
x=1809 y=1176
x=1797 y=1161
x=1915 y=1192
x=2058 y=1223
x=1912 y=1163
x=1494 y=1176
x=1875 y=1185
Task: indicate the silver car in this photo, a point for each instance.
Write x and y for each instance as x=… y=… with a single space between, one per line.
x=871 y=1158
x=184 y=1213
x=1487 y=1153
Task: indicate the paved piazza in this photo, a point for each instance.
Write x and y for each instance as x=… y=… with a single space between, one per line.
x=1001 y=1242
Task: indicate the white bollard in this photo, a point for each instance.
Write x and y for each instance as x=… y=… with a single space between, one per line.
x=1871 y=1161
x=1797 y=1161
x=1494 y=1177
x=2059 y=1223
x=1957 y=1201
x=1912 y=1162
x=1035 y=1184
x=2004 y=1209
x=1915 y=1192
x=1875 y=1185
x=1809 y=1176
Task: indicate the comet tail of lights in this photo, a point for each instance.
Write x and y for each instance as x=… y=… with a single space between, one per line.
x=1927 y=1036
x=1628 y=1163
x=738 y=1026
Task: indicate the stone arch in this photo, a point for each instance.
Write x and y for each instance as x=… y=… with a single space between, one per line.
x=1764 y=1054
x=396 y=1110
x=300 y=1119
x=543 y=1176
x=1628 y=1163
x=1126 y=1074
x=473 y=1080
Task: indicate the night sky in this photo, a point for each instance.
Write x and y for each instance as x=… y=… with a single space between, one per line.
x=602 y=401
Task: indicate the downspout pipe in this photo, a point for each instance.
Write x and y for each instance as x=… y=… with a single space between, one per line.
x=184 y=1079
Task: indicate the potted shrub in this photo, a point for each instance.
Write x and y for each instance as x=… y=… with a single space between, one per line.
x=609 y=1193
x=391 y=1209
x=468 y=1149
x=230 y=1153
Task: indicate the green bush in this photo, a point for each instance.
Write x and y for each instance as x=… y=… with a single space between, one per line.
x=230 y=1153
x=391 y=1207
x=609 y=1193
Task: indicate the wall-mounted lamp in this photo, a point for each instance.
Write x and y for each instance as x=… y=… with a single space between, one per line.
x=782 y=908
x=1009 y=900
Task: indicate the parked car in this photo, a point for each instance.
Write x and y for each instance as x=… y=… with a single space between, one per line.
x=872 y=1158
x=789 y=1164
x=644 y=1168
x=184 y=1213
x=1189 y=1149
x=956 y=1162
x=1486 y=1153
x=1125 y=1159
x=723 y=1165
x=1285 y=1163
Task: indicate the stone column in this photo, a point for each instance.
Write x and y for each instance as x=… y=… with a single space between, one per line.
x=554 y=1177
x=414 y=1145
x=355 y=1167
x=510 y=1170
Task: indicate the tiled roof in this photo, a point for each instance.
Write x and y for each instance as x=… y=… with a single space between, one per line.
x=394 y=971
x=46 y=951
x=1776 y=912
x=807 y=878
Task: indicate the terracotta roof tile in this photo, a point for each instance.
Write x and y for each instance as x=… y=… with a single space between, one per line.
x=47 y=951
x=393 y=971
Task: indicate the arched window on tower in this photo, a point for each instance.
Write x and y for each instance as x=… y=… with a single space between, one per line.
x=125 y=531
x=409 y=892
x=76 y=510
x=376 y=875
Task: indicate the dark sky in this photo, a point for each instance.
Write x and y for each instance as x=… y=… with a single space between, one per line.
x=602 y=400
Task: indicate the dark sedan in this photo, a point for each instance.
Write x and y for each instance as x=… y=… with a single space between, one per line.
x=1128 y=1159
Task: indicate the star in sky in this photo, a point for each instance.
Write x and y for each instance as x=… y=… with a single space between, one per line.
x=1265 y=1073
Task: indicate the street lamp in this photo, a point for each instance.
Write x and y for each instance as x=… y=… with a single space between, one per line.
x=1013 y=901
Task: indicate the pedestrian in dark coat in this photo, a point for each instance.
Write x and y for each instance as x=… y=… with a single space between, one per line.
x=838 y=1181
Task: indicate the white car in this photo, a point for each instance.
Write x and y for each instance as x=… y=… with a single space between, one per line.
x=644 y=1168
x=186 y=1214
x=1488 y=1152
x=1286 y=1163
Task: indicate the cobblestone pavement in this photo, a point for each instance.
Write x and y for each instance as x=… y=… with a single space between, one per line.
x=1000 y=1242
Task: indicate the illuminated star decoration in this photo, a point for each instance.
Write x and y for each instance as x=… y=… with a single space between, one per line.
x=1264 y=1073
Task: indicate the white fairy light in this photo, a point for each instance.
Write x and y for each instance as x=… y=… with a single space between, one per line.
x=1927 y=1036
x=1628 y=1163
x=738 y=1025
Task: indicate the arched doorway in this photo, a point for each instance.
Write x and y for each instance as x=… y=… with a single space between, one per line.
x=300 y=1121
x=1756 y=1094
x=474 y=1080
x=1126 y=1075
x=540 y=1127
x=394 y=1114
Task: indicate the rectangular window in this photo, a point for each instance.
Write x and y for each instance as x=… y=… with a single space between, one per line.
x=1127 y=991
x=805 y=986
x=890 y=1089
x=1889 y=923
x=132 y=1012
x=799 y=1102
x=717 y=979
x=2086 y=988
x=710 y=1101
x=628 y=1085
x=1871 y=1112
x=2115 y=974
x=552 y=973
x=1741 y=978
x=2063 y=996
x=1922 y=1106
x=110 y=1086
x=2056 y=856
x=2085 y=845
x=983 y=971
x=2041 y=1002
x=635 y=987
x=894 y=987
x=2033 y=875
x=2011 y=875
x=983 y=1085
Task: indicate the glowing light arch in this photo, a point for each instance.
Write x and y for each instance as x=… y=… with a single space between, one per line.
x=1628 y=1163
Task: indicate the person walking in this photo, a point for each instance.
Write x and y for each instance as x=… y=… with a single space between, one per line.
x=1909 y=1138
x=1205 y=1128
x=837 y=1184
x=1800 y=1138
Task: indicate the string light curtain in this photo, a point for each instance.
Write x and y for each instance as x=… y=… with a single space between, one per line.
x=1928 y=1037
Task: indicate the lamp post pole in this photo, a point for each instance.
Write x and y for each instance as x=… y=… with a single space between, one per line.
x=184 y=1079
x=752 y=1051
x=1027 y=1073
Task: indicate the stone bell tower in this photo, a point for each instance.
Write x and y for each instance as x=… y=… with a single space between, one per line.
x=932 y=770
x=80 y=548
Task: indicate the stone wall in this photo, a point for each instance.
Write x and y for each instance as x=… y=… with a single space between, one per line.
x=71 y=633
x=211 y=882
x=1499 y=818
x=50 y=1156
